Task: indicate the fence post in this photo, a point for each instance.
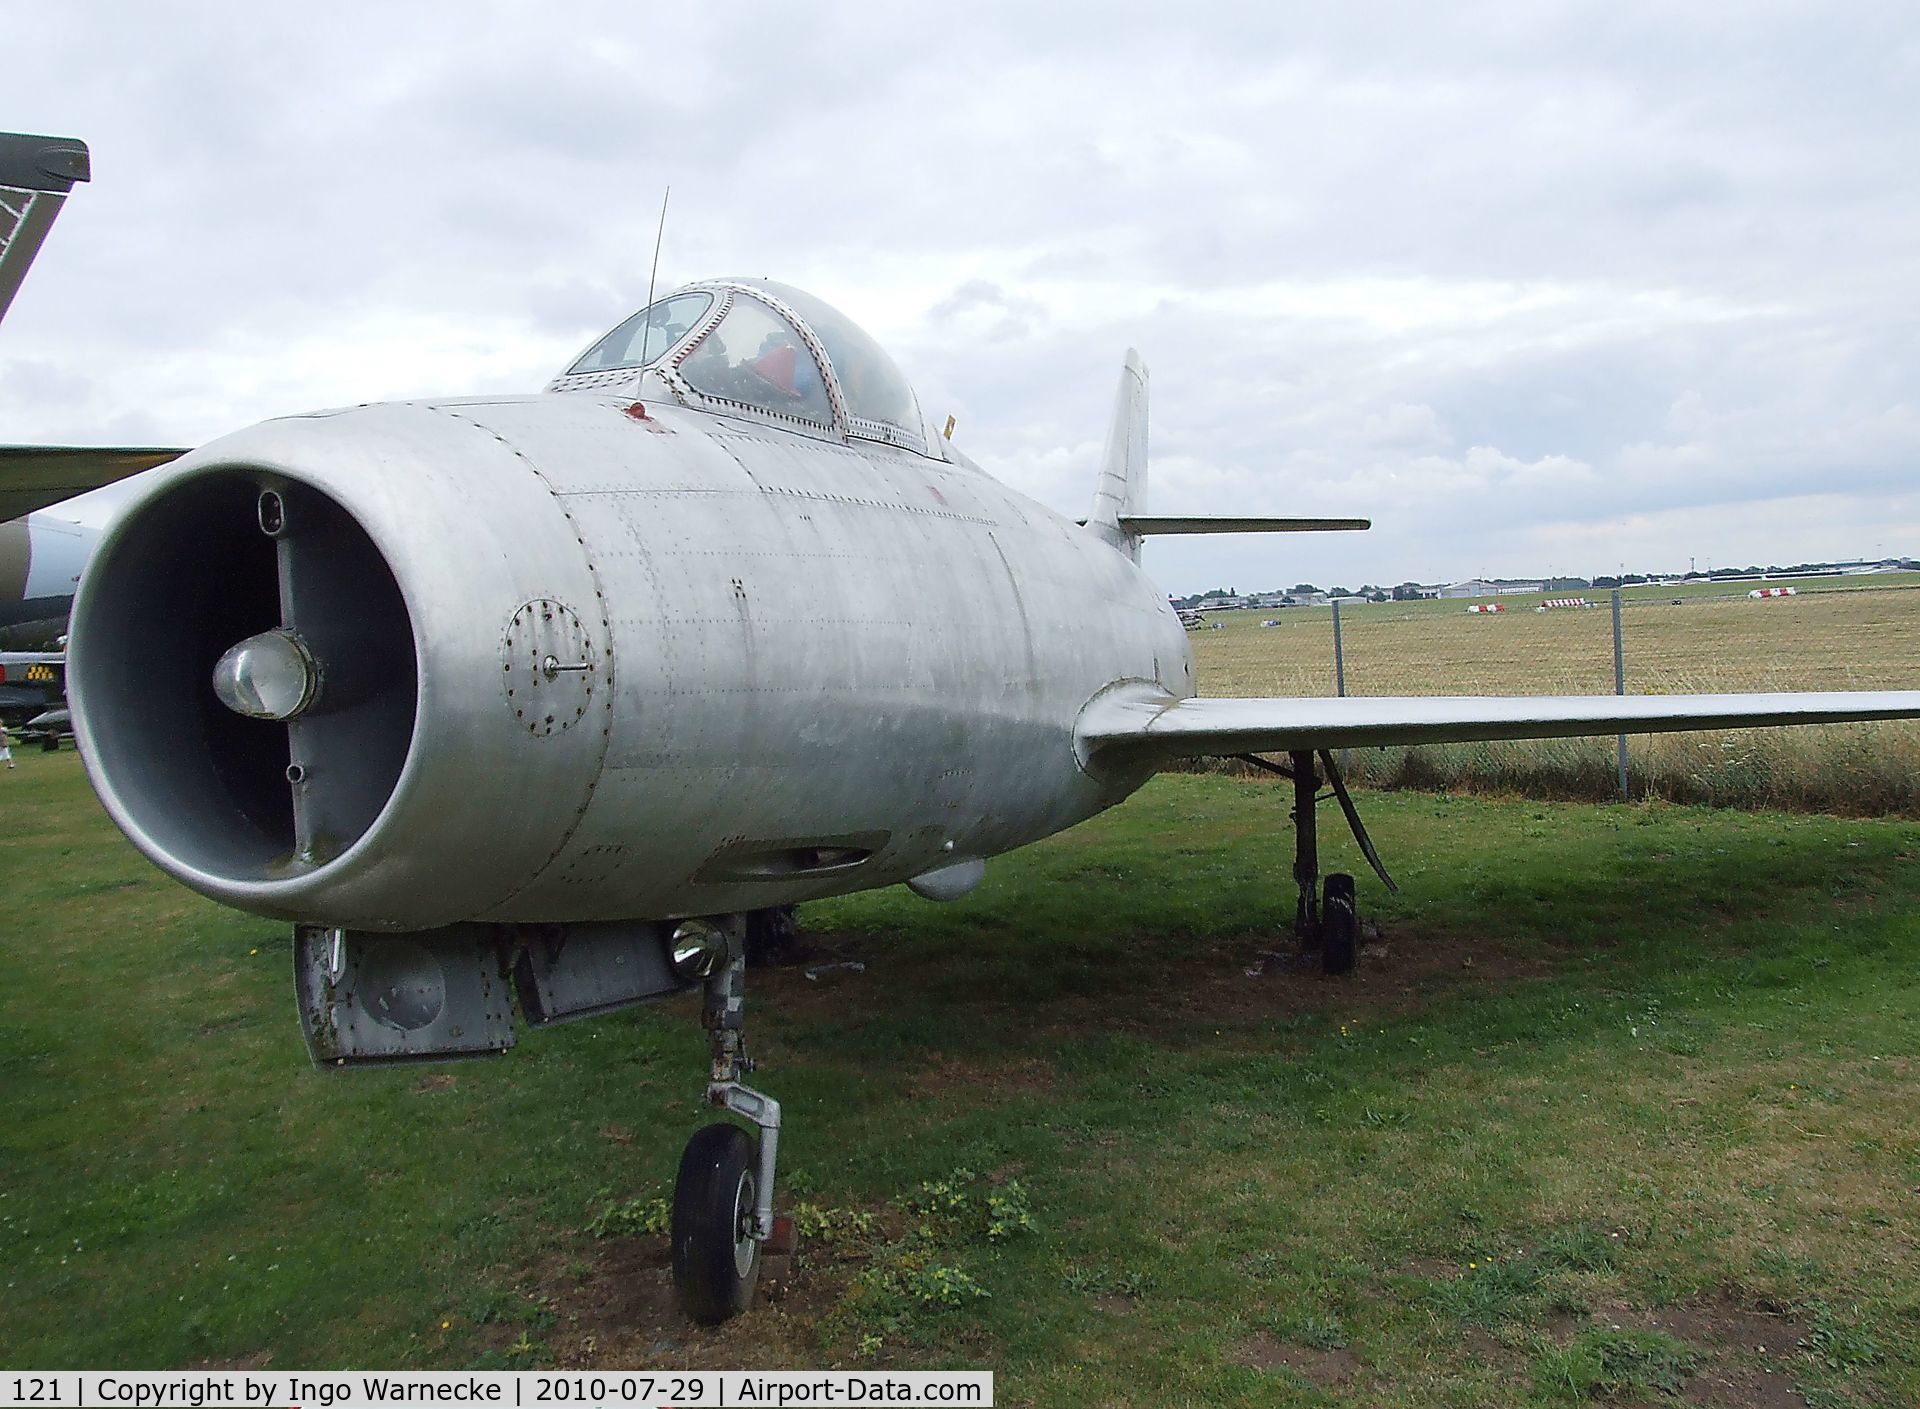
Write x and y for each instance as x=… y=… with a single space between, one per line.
x=1620 y=688
x=1340 y=679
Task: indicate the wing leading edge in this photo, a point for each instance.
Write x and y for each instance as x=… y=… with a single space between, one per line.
x=1130 y=727
x=34 y=476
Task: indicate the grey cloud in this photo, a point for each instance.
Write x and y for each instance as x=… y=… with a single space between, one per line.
x=1669 y=245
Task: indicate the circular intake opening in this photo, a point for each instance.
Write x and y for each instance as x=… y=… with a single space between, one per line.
x=210 y=561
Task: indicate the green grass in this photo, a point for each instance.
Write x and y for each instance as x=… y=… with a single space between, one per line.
x=1617 y=1068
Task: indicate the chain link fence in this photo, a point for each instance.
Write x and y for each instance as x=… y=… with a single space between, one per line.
x=1834 y=635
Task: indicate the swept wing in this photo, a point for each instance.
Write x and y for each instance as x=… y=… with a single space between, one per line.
x=34 y=476
x=1128 y=727
x=1142 y=524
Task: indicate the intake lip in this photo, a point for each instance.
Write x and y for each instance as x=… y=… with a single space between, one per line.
x=242 y=805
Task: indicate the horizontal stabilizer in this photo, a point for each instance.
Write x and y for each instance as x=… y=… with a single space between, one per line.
x=34 y=476
x=1154 y=523
x=1152 y=727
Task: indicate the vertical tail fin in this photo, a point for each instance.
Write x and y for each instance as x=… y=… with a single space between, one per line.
x=1122 y=490
x=35 y=175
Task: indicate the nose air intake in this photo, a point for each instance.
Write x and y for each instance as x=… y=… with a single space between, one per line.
x=243 y=670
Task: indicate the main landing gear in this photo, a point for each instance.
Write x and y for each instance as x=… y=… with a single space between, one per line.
x=723 y=1197
x=1324 y=914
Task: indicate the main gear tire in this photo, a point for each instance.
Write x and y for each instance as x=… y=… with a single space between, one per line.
x=1339 y=925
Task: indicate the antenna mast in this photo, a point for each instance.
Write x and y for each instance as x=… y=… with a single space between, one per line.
x=658 y=235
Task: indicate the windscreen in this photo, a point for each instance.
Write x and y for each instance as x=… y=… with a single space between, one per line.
x=647 y=336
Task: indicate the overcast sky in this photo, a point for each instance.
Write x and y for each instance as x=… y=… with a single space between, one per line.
x=1536 y=286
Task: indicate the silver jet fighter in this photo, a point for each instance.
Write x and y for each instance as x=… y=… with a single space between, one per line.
x=565 y=697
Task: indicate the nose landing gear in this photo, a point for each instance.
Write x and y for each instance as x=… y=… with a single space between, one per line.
x=723 y=1196
x=716 y=1258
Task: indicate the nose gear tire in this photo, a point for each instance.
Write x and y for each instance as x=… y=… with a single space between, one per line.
x=716 y=1259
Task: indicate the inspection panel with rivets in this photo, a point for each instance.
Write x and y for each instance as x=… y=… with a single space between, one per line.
x=548 y=664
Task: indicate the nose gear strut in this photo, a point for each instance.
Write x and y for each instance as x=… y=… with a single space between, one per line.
x=723 y=1198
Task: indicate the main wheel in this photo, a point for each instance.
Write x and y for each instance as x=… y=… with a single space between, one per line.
x=1339 y=925
x=716 y=1258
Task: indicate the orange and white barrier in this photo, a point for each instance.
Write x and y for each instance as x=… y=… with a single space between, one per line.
x=1563 y=602
x=1488 y=607
x=1760 y=592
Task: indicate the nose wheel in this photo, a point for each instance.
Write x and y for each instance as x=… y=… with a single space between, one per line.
x=716 y=1257
x=723 y=1196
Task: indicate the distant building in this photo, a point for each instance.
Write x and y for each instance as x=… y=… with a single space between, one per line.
x=1490 y=587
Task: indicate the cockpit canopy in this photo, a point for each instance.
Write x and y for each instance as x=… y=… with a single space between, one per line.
x=765 y=348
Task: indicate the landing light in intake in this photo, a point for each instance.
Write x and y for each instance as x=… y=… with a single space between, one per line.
x=269 y=676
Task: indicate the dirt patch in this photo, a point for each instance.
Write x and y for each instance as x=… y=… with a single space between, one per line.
x=1562 y=1326
x=1484 y=1348
x=1327 y=1368
x=1433 y=1269
x=436 y=1081
x=1748 y=1349
x=616 y=1309
x=1723 y=1321
x=1741 y=1388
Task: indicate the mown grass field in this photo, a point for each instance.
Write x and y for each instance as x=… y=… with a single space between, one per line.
x=1623 y=1105
x=1838 y=634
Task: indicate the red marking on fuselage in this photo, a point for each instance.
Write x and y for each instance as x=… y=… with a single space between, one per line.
x=638 y=411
